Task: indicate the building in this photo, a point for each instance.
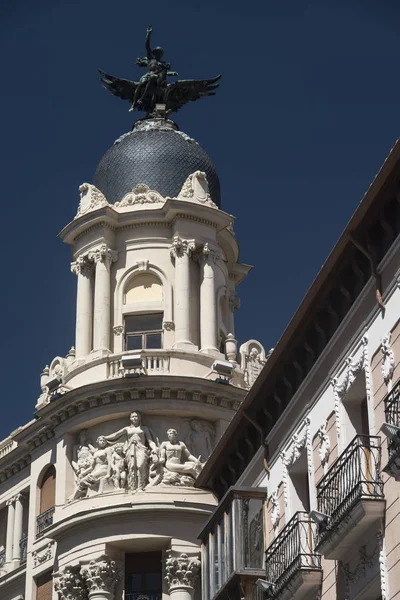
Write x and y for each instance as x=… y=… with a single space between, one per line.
x=97 y=496
x=308 y=472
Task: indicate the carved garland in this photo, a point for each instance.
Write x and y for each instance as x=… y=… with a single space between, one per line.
x=388 y=362
x=353 y=366
x=324 y=449
x=301 y=440
x=275 y=511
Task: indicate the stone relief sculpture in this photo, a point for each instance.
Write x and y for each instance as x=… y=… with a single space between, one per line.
x=132 y=459
x=138 y=446
x=180 y=467
x=200 y=439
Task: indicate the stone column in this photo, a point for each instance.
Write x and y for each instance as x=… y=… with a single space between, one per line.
x=181 y=575
x=10 y=531
x=208 y=301
x=69 y=584
x=103 y=257
x=83 y=268
x=101 y=576
x=18 y=520
x=181 y=251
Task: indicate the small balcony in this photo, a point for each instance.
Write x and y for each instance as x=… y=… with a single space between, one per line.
x=392 y=417
x=233 y=545
x=43 y=521
x=292 y=565
x=23 y=544
x=351 y=497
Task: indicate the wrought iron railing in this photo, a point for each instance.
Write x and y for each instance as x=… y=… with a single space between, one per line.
x=392 y=415
x=355 y=474
x=292 y=550
x=143 y=595
x=2 y=558
x=43 y=521
x=23 y=543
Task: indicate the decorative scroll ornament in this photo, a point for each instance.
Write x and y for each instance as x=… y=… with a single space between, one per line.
x=69 y=584
x=388 y=361
x=91 y=199
x=101 y=575
x=275 y=511
x=324 y=449
x=140 y=194
x=196 y=188
x=298 y=443
x=168 y=325
x=118 y=329
x=234 y=303
x=181 y=570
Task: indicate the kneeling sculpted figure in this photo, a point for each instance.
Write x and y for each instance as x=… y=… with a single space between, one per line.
x=180 y=467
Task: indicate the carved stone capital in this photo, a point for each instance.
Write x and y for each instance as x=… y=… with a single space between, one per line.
x=101 y=575
x=181 y=570
x=83 y=265
x=179 y=247
x=103 y=254
x=69 y=584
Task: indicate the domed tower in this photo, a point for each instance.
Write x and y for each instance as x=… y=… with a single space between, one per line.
x=137 y=406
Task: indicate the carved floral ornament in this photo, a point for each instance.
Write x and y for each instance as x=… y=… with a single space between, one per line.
x=140 y=194
x=353 y=365
x=324 y=447
x=388 y=362
x=180 y=247
x=78 y=582
x=181 y=570
x=103 y=254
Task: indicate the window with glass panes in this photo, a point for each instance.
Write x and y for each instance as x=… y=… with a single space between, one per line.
x=143 y=332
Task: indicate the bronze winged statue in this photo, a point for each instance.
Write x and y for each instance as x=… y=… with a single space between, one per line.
x=152 y=93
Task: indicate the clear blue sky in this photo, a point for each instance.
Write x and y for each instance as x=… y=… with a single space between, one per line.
x=308 y=109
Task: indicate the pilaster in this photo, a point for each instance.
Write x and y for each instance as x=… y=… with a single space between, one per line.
x=102 y=257
x=83 y=267
x=181 y=251
x=208 y=301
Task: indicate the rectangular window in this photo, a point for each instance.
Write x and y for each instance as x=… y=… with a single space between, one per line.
x=143 y=575
x=143 y=332
x=44 y=586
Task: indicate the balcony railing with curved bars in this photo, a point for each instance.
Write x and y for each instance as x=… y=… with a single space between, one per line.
x=43 y=521
x=355 y=475
x=292 y=550
x=392 y=415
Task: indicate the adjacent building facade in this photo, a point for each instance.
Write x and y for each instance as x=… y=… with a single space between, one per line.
x=308 y=471
x=97 y=496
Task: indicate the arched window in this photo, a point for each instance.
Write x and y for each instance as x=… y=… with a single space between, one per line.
x=143 y=288
x=47 y=500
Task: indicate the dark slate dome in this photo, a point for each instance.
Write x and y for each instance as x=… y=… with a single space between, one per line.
x=157 y=154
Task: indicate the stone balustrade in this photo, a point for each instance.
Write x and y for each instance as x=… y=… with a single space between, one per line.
x=6 y=446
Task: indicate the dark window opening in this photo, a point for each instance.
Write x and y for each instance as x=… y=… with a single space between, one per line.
x=143 y=332
x=143 y=575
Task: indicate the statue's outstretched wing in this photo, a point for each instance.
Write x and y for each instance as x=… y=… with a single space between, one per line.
x=123 y=88
x=181 y=92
